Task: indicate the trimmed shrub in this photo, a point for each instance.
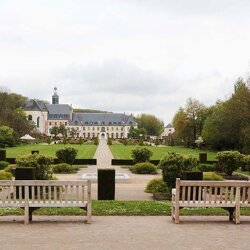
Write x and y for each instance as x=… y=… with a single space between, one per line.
x=173 y=166
x=96 y=141
x=5 y=175
x=10 y=168
x=125 y=142
x=141 y=154
x=3 y=164
x=212 y=176
x=206 y=167
x=141 y=143
x=157 y=186
x=41 y=163
x=230 y=161
x=80 y=141
x=247 y=162
x=144 y=168
x=64 y=168
x=109 y=142
x=66 y=155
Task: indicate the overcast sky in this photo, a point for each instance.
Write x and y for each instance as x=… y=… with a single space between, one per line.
x=134 y=56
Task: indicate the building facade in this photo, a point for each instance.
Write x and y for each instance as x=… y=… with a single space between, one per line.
x=85 y=125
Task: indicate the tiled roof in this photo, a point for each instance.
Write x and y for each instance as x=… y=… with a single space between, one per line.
x=169 y=126
x=63 y=109
x=99 y=119
x=34 y=105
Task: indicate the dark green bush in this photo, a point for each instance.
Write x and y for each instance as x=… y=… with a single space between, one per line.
x=212 y=176
x=173 y=165
x=64 y=168
x=5 y=175
x=141 y=154
x=109 y=142
x=157 y=186
x=144 y=168
x=141 y=143
x=41 y=163
x=66 y=155
x=96 y=141
x=204 y=167
x=230 y=161
x=247 y=162
x=3 y=164
x=125 y=142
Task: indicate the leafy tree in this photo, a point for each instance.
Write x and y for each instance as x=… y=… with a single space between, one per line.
x=55 y=131
x=136 y=133
x=150 y=123
x=6 y=136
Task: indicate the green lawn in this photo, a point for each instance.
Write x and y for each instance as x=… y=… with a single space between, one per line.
x=124 y=152
x=127 y=208
x=84 y=151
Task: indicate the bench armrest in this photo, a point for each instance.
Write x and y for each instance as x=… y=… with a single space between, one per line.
x=173 y=194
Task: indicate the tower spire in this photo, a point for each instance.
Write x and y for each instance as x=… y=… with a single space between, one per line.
x=55 y=97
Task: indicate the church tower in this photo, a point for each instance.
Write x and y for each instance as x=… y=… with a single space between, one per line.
x=55 y=97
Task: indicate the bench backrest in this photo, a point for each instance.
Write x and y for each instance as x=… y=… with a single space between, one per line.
x=43 y=191
x=213 y=191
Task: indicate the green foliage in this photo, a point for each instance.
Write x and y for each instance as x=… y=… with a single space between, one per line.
x=3 y=164
x=125 y=142
x=247 y=162
x=173 y=165
x=96 y=141
x=141 y=142
x=157 y=143
x=5 y=175
x=157 y=186
x=229 y=161
x=228 y=127
x=141 y=154
x=189 y=121
x=150 y=123
x=212 y=176
x=6 y=136
x=80 y=141
x=109 y=141
x=64 y=140
x=64 y=168
x=41 y=164
x=66 y=155
x=204 y=167
x=48 y=140
x=144 y=168
x=137 y=133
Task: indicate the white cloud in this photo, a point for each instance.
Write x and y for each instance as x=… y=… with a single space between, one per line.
x=133 y=56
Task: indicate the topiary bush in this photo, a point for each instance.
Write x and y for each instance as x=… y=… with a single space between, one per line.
x=173 y=166
x=41 y=163
x=66 y=155
x=204 y=167
x=109 y=142
x=157 y=186
x=141 y=154
x=3 y=164
x=212 y=176
x=64 y=168
x=229 y=161
x=5 y=175
x=247 y=162
x=96 y=141
x=144 y=168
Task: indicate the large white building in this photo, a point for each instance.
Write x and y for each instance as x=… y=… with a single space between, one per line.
x=85 y=125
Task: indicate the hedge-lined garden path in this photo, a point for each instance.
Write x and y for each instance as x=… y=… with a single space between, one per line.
x=133 y=189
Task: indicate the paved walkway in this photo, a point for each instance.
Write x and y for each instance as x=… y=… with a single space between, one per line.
x=125 y=232
x=133 y=189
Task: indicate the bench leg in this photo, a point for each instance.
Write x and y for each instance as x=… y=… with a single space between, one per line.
x=89 y=213
x=26 y=214
x=176 y=215
x=237 y=214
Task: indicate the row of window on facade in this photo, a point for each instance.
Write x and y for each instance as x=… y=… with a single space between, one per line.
x=102 y=123
x=103 y=129
x=93 y=135
x=58 y=116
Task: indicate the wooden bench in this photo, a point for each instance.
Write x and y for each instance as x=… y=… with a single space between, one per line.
x=229 y=195
x=33 y=194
